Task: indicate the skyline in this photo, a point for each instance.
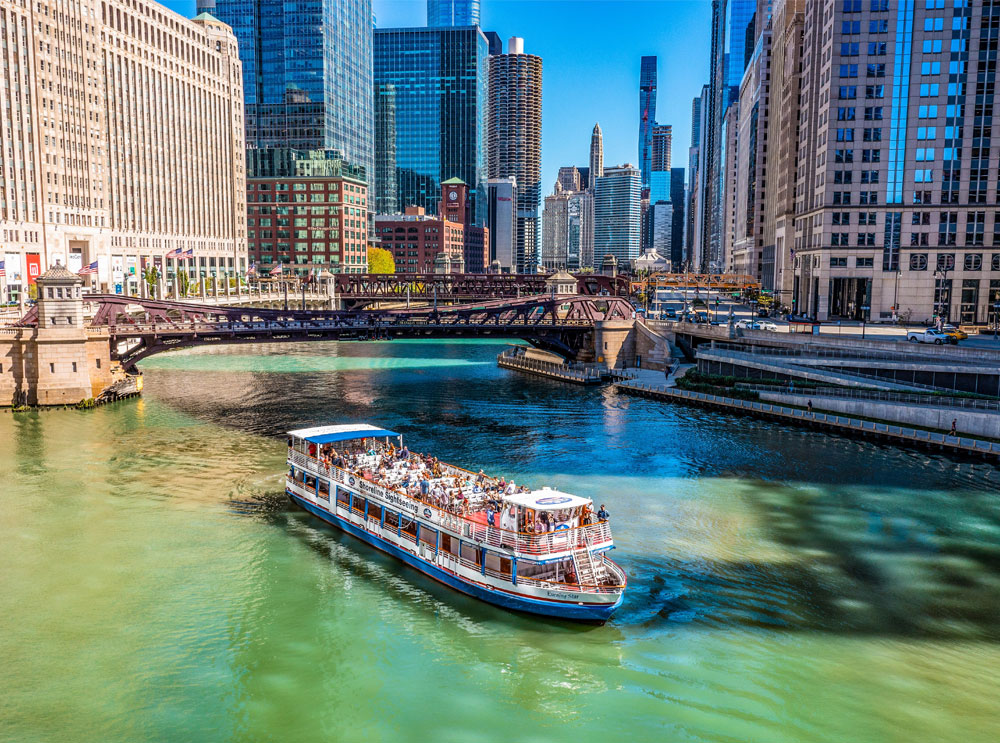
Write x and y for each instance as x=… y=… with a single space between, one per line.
x=676 y=31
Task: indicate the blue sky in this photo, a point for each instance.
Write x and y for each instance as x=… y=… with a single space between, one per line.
x=590 y=53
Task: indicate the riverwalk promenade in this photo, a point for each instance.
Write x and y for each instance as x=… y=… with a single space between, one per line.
x=842 y=423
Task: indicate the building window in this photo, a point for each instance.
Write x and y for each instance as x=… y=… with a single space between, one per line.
x=918 y=261
x=973 y=262
x=865 y=262
x=838 y=262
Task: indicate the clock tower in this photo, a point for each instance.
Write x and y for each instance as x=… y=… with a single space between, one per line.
x=454 y=201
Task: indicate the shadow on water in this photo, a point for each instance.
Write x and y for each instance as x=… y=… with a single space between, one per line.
x=398 y=581
x=861 y=537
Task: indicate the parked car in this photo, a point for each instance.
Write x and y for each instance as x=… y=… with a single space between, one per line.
x=953 y=332
x=930 y=335
x=756 y=325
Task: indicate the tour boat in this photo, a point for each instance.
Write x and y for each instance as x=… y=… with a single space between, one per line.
x=538 y=551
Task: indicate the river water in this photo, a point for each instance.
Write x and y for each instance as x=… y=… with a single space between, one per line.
x=785 y=584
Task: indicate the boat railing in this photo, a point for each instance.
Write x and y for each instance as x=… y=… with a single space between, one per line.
x=591 y=536
x=615 y=585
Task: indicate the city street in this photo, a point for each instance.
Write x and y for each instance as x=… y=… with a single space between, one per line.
x=675 y=300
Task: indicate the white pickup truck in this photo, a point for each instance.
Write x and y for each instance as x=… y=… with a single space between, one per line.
x=929 y=335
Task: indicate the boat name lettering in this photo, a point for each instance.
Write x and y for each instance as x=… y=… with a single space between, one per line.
x=388 y=496
x=561 y=595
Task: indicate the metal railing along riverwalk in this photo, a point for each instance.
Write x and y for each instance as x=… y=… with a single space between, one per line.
x=913 y=435
x=941 y=401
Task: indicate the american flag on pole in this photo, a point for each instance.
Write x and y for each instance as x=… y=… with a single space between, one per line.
x=3 y=269
x=92 y=268
x=175 y=253
x=189 y=254
x=277 y=269
x=251 y=270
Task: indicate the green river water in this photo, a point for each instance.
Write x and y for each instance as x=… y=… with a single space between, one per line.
x=785 y=584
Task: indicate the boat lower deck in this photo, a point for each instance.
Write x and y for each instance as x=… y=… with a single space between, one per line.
x=454 y=571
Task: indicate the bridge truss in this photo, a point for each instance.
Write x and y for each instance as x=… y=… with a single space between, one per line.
x=138 y=328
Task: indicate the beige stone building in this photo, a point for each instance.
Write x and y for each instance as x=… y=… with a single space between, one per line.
x=896 y=192
x=121 y=141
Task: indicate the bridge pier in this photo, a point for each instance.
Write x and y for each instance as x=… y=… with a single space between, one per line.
x=61 y=361
x=614 y=343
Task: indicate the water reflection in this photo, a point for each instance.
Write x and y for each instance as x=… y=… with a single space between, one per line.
x=785 y=585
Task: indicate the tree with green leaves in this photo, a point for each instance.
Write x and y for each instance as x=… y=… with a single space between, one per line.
x=380 y=261
x=151 y=275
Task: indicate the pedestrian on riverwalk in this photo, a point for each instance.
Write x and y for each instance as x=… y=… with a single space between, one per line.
x=809 y=406
x=954 y=429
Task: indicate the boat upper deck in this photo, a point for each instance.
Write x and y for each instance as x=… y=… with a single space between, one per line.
x=488 y=509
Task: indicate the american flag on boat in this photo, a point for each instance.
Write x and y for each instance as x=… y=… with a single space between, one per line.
x=92 y=268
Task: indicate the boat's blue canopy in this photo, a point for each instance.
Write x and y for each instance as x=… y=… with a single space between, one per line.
x=331 y=434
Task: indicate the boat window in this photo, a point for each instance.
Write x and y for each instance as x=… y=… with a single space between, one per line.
x=497 y=565
x=391 y=519
x=324 y=489
x=309 y=481
x=448 y=544
x=410 y=527
x=343 y=498
x=291 y=442
x=428 y=536
x=470 y=553
x=291 y=472
x=374 y=512
x=358 y=504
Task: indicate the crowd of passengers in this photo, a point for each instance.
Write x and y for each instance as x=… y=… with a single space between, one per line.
x=425 y=479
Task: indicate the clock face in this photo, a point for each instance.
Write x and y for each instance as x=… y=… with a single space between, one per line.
x=452 y=195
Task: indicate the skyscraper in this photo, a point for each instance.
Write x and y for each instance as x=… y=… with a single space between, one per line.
x=692 y=211
x=501 y=218
x=555 y=230
x=106 y=185
x=617 y=214
x=569 y=178
x=452 y=12
x=730 y=19
x=678 y=222
x=431 y=86
x=307 y=74
x=659 y=163
x=596 y=156
x=647 y=115
x=515 y=139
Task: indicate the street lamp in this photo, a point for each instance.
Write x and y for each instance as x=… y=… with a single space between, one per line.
x=996 y=319
x=864 y=319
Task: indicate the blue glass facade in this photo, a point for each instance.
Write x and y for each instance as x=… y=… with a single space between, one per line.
x=647 y=115
x=307 y=73
x=617 y=215
x=431 y=86
x=452 y=12
x=738 y=15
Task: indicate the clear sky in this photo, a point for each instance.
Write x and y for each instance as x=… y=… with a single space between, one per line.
x=590 y=52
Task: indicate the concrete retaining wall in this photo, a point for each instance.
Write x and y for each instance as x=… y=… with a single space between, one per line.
x=972 y=422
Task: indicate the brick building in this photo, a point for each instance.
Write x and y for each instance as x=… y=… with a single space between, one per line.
x=307 y=209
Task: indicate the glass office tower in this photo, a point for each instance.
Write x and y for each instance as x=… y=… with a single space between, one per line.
x=452 y=12
x=647 y=116
x=307 y=73
x=431 y=86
